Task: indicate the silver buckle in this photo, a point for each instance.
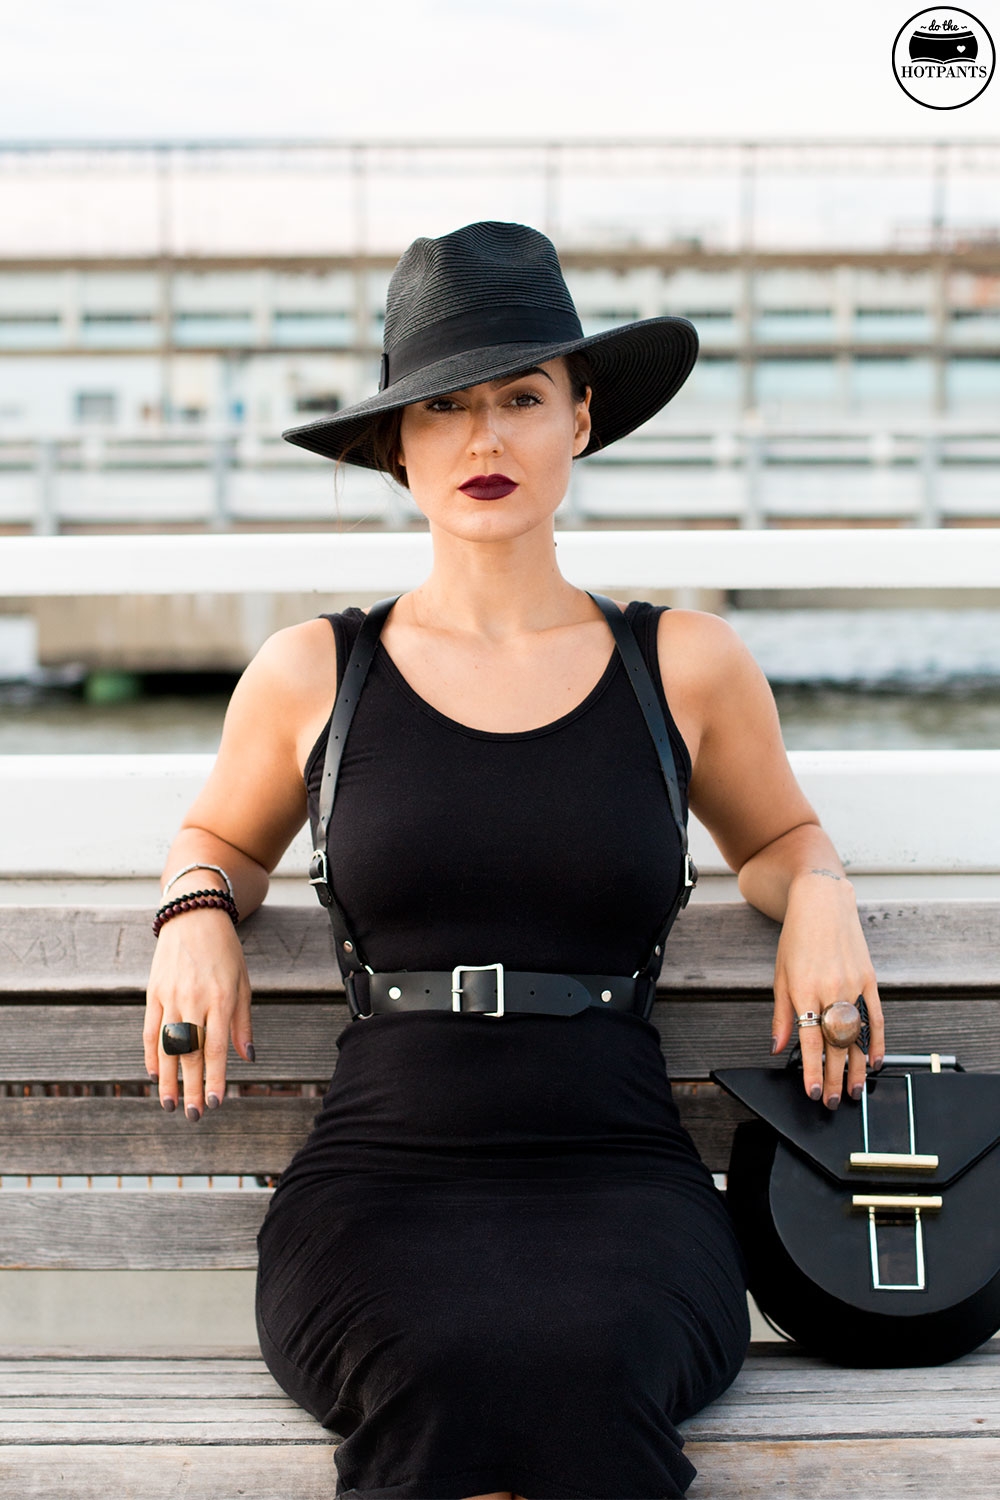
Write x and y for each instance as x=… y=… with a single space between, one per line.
x=456 y=988
x=324 y=877
x=688 y=867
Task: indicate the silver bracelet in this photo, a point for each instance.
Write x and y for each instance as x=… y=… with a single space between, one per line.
x=187 y=870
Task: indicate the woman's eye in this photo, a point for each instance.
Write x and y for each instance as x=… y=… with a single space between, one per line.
x=441 y=404
x=526 y=398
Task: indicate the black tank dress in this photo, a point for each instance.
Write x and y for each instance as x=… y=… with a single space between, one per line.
x=498 y=1262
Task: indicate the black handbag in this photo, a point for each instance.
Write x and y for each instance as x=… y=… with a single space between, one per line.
x=872 y=1232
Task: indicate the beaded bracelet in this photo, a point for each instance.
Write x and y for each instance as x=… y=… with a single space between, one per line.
x=192 y=902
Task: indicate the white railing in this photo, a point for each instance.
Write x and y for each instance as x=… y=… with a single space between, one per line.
x=388 y=562
x=113 y=817
x=894 y=815
x=744 y=473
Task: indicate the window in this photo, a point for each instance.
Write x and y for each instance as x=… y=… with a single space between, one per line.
x=305 y=327
x=30 y=330
x=318 y=402
x=971 y=382
x=796 y=380
x=892 y=324
x=874 y=379
x=713 y=380
x=111 y=330
x=96 y=406
x=790 y=325
x=604 y=318
x=192 y=328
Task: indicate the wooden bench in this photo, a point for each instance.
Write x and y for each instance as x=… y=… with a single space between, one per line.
x=213 y=1424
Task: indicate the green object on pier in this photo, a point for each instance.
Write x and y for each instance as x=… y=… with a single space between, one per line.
x=112 y=687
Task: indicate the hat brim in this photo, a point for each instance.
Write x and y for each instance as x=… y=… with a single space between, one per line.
x=637 y=369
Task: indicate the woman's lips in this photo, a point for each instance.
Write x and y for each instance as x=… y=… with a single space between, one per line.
x=488 y=486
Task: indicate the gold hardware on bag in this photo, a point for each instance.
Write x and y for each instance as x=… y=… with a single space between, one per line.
x=876 y=1202
x=894 y=1161
x=890 y=1200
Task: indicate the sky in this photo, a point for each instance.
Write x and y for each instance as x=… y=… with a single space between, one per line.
x=466 y=69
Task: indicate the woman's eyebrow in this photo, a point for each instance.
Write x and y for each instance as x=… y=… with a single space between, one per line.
x=532 y=370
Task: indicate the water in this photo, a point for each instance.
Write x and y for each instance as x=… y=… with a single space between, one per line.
x=869 y=679
x=812 y=718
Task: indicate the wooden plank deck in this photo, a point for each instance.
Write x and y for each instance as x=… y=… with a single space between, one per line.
x=185 y=1424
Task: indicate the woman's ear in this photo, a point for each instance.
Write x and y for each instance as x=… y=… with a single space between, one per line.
x=581 y=436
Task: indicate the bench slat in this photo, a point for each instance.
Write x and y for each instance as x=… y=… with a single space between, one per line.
x=880 y=1468
x=790 y=1424
x=302 y=1468
x=296 y=1043
x=131 y=1231
x=714 y=947
x=80 y=1137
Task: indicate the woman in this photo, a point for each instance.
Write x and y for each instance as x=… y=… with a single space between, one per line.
x=498 y=1267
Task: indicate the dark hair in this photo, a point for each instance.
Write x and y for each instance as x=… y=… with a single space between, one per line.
x=382 y=435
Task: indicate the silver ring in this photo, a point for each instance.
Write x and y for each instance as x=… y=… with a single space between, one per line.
x=809 y=1018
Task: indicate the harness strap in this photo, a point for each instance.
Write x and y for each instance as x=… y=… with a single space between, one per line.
x=345 y=707
x=652 y=712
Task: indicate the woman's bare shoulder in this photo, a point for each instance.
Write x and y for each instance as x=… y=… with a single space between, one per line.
x=699 y=641
x=298 y=661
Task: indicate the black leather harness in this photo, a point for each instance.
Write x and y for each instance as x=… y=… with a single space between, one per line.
x=489 y=989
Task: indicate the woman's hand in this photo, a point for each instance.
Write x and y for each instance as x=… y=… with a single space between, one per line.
x=242 y=821
x=823 y=957
x=198 y=974
x=745 y=793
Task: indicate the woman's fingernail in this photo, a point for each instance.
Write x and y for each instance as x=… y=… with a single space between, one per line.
x=816 y=1092
x=251 y=1054
x=857 y=1090
x=877 y=1063
x=774 y=1045
x=154 y=1077
x=212 y=1101
x=169 y=1105
x=833 y=1101
x=193 y=1113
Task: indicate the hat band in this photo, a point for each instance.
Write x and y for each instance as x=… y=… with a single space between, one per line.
x=478 y=329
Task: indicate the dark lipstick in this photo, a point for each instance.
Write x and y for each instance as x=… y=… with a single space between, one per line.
x=488 y=486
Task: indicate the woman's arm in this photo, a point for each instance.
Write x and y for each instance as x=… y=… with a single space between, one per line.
x=744 y=791
x=243 y=819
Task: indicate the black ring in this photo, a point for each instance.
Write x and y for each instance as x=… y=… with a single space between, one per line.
x=181 y=1037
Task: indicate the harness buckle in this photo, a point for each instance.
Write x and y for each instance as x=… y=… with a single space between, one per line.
x=319 y=873
x=456 y=987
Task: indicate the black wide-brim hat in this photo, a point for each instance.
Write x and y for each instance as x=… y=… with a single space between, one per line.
x=490 y=300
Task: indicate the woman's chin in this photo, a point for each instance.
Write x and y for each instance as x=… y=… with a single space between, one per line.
x=492 y=522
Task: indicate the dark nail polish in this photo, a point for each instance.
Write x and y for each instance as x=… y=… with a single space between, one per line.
x=154 y=1077
x=877 y=1063
x=857 y=1091
x=251 y=1054
x=192 y=1113
x=169 y=1105
x=774 y=1045
x=816 y=1092
x=833 y=1101
x=212 y=1101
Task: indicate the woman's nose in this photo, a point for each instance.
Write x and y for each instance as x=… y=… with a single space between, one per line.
x=484 y=436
